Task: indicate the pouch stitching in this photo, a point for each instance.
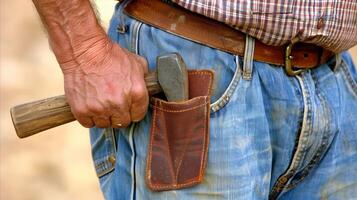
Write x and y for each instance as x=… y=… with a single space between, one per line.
x=177 y=102
x=203 y=148
x=206 y=142
x=169 y=152
x=183 y=110
x=203 y=158
x=176 y=186
x=210 y=76
x=148 y=166
x=206 y=138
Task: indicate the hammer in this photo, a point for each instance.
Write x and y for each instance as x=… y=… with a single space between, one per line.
x=30 y=118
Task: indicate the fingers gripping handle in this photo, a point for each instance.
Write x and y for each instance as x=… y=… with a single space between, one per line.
x=37 y=116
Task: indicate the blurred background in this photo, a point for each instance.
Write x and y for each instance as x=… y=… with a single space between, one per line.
x=55 y=164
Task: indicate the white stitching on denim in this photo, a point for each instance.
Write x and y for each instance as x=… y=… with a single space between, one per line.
x=325 y=140
x=102 y=165
x=248 y=57
x=134 y=43
x=347 y=75
x=306 y=125
x=304 y=133
x=134 y=46
x=120 y=12
x=225 y=98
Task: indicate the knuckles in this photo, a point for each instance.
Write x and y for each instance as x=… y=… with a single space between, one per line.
x=129 y=101
x=139 y=94
x=94 y=108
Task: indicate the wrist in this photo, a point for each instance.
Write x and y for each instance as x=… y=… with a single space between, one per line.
x=73 y=30
x=87 y=56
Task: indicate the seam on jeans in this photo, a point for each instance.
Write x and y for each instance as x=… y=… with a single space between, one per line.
x=303 y=137
x=248 y=58
x=133 y=157
x=134 y=47
x=114 y=140
x=134 y=43
x=102 y=165
x=325 y=140
x=306 y=125
x=122 y=5
x=347 y=75
x=228 y=93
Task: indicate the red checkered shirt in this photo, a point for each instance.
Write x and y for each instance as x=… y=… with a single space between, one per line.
x=331 y=24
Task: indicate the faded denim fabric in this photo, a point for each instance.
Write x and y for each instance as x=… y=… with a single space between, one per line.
x=271 y=135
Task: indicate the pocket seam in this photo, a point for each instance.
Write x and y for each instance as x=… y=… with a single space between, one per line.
x=103 y=165
x=230 y=90
x=347 y=75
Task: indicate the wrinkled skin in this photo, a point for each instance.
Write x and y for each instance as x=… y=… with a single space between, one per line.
x=104 y=83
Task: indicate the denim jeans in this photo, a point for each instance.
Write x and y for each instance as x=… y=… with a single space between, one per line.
x=271 y=136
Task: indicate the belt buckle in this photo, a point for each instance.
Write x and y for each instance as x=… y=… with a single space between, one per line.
x=288 y=57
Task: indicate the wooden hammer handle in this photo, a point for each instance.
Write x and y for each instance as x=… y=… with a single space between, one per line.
x=37 y=116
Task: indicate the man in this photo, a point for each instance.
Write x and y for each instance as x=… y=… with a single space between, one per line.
x=273 y=134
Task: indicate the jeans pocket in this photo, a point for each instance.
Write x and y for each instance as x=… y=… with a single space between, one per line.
x=103 y=150
x=229 y=91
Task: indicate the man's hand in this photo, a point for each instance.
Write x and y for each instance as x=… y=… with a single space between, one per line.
x=104 y=84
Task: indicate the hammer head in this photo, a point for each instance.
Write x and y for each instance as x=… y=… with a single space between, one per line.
x=172 y=76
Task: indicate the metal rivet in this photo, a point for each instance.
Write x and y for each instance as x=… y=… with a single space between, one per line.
x=283 y=179
x=112 y=159
x=122 y=29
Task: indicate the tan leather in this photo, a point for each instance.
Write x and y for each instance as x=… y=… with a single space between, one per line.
x=212 y=33
x=179 y=137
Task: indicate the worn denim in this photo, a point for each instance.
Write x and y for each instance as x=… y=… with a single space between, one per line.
x=271 y=135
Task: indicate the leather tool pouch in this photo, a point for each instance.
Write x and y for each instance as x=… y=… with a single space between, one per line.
x=179 y=137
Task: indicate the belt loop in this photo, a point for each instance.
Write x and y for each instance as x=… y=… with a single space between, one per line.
x=122 y=27
x=248 y=57
x=338 y=59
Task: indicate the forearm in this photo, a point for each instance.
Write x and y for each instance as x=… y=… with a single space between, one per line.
x=74 y=32
x=104 y=84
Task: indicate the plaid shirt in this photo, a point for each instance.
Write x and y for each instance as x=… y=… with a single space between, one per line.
x=328 y=23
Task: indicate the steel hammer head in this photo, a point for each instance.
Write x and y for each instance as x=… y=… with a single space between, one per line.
x=172 y=76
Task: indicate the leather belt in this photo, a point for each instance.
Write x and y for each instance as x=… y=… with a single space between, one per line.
x=212 y=33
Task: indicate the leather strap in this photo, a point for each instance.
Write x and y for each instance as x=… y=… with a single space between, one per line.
x=212 y=33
